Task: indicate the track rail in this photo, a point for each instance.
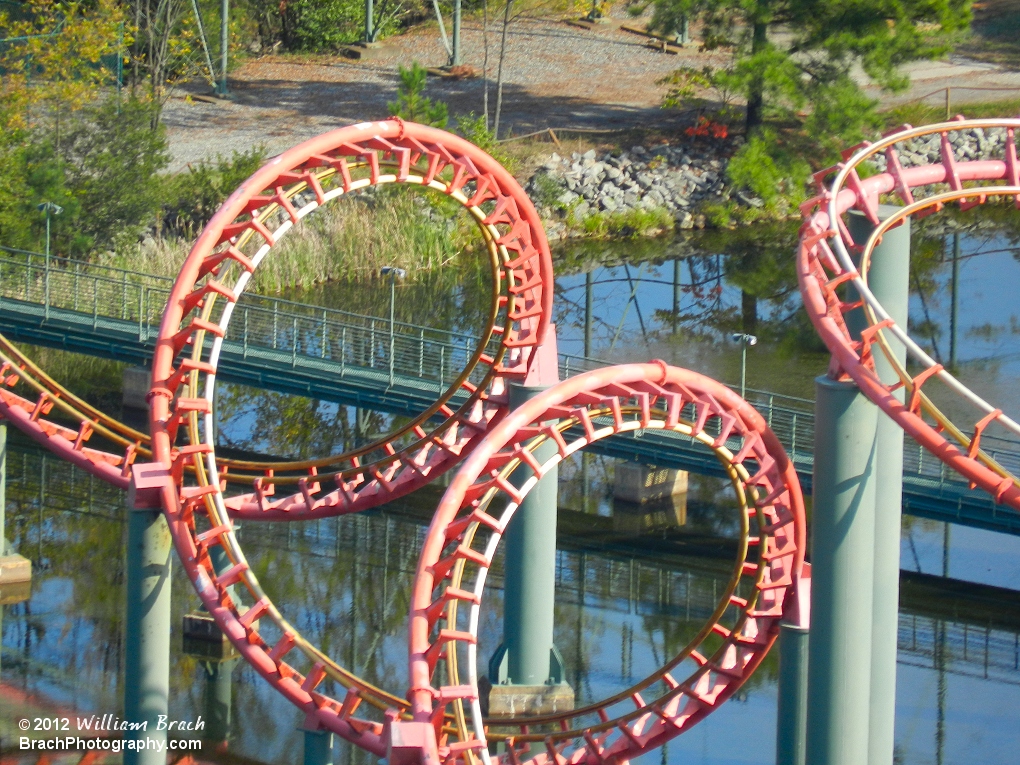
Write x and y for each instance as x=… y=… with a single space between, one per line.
x=824 y=264
x=466 y=531
x=188 y=477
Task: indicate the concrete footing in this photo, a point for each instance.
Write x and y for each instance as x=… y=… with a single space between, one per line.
x=512 y=700
x=366 y=51
x=15 y=569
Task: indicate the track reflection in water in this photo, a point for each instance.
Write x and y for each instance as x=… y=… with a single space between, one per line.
x=618 y=608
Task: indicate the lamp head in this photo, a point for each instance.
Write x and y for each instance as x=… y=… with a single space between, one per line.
x=49 y=207
x=393 y=272
x=743 y=338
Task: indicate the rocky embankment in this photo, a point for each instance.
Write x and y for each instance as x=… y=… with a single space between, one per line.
x=976 y=143
x=679 y=180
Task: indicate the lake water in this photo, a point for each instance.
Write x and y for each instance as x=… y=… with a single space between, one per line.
x=649 y=580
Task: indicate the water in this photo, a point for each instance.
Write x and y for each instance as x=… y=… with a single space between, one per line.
x=648 y=580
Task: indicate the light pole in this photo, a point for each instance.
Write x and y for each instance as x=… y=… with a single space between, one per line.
x=50 y=209
x=745 y=340
x=394 y=273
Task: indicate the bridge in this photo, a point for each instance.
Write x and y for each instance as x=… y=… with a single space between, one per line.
x=397 y=368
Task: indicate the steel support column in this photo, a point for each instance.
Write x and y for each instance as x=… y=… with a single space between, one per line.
x=889 y=280
x=791 y=716
x=219 y=701
x=147 y=644
x=530 y=581
x=843 y=550
x=589 y=284
x=791 y=722
x=318 y=748
x=369 y=22
x=954 y=302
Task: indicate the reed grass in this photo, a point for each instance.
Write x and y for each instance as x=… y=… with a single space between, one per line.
x=350 y=239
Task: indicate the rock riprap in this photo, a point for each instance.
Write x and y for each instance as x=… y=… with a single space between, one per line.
x=975 y=143
x=678 y=179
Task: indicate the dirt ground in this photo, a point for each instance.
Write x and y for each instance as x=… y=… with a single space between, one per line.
x=556 y=75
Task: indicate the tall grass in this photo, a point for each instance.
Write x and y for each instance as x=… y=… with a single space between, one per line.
x=349 y=239
x=355 y=237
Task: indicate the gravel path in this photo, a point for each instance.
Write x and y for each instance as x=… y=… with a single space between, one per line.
x=556 y=75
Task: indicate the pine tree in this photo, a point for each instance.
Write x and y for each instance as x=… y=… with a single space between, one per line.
x=795 y=56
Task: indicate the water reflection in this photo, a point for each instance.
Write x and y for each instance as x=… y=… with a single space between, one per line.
x=628 y=594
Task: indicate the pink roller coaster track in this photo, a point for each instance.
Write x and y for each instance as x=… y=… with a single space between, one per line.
x=443 y=719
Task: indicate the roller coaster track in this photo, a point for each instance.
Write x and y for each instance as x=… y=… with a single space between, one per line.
x=824 y=265
x=464 y=536
x=440 y=719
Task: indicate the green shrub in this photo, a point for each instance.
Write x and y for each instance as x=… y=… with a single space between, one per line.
x=547 y=191
x=768 y=172
x=193 y=196
x=102 y=170
x=411 y=105
x=472 y=127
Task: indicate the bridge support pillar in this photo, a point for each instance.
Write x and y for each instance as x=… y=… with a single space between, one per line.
x=889 y=281
x=526 y=671
x=843 y=541
x=147 y=644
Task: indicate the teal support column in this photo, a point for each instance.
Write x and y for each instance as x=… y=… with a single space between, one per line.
x=889 y=280
x=318 y=747
x=147 y=644
x=589 y=284
x=219 y=701
x=843 y=551
x=954 y=302
x=530 y=581
x=791 y=722
x=791 y=716
x=219 y=676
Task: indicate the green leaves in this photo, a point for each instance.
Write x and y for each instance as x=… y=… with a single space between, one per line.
x=768 y=171
x=412 y=105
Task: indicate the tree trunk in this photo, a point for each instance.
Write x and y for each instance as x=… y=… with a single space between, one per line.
x=499 y=70
x=756 y=93
x=485 y=61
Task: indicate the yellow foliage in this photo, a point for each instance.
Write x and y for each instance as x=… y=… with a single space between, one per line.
x=53 y=56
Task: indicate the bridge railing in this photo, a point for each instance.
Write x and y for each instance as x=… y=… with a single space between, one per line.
x=282 y=332
x=264 y=327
